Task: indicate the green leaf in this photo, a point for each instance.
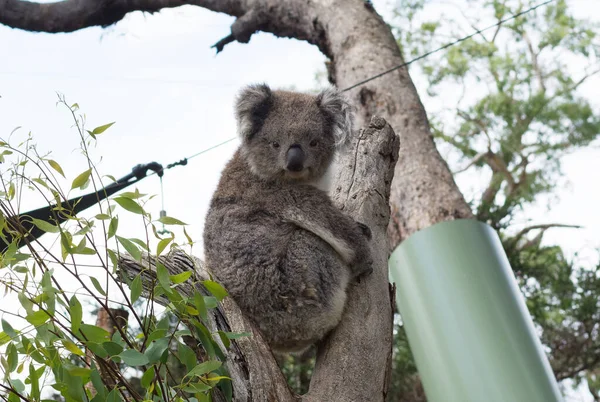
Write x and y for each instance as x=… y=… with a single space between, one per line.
x=34 y=380
x=129 y=205
x=167 y=220
x=186 y=355
x=163 y=244
x=112 y=348
x=12 y=357
x=133 y=358
x=203 y=368
x=163 y=277
x=56 y=167
x=77 y=371
x=37 y=318
x=210 y=302
x=4 y=338
x=147 y=377
x=140 y=243
x=97 y=349
x=76 y=313
x=224 y=339
x=98 y=286
x=205 y=338
x=71 y=347
x=101 y=129
x=98 y=384
x=187 y=236
x=114 y=396
x=102 y=217
x=113 y=259
x=17 y=385
x=112 y=227
x=11 y=191
x=216 y=289
x=131 y=248
x=156 y=349
x=25 y=302
x=6 y=327
x=157 y=334
x=133 y=195
x=136 y=289
x=81 y=180
x=40 y=182
x=200 y=305
x=94 y=334
x=196 y=387
x=45 y=226
x=180 y=278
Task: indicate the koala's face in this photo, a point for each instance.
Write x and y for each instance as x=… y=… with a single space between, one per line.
x=288 y=135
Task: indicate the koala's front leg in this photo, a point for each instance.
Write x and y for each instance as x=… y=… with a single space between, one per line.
x=347 y=237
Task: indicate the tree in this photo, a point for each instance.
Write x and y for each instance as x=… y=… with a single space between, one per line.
x=359 y=45
x=525 y=116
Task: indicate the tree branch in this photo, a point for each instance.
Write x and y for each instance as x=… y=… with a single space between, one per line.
x=72 y=15
x=534 y=61
x=543 y=228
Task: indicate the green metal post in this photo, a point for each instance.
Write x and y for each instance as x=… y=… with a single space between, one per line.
x=467 y=324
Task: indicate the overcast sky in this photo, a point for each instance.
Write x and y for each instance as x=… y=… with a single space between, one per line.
x=171 y=96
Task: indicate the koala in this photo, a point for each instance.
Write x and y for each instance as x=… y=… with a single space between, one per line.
x=276 y=242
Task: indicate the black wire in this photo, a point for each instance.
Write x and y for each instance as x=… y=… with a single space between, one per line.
x=447 y=45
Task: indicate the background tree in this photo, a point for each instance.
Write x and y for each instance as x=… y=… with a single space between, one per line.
x=513 y=131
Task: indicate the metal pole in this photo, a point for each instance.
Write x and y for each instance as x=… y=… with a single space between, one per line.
x=467 y=324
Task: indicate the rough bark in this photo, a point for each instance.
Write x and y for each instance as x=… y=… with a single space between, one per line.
x=359 y=44
x=353 y=362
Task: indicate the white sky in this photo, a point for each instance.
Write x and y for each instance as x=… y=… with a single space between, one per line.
x=158 y=78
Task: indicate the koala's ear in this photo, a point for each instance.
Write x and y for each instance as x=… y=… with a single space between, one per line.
x=339 y=112
x=251 y=109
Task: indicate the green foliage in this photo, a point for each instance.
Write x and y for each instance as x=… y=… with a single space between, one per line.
x=527 y=112
x=54 y=346
x=298 y=369
x=512 y=109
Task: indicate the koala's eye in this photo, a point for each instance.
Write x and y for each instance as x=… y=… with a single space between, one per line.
x=313 y=143
x=275 y=144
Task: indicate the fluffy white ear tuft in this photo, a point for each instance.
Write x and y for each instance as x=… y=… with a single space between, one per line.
x=339 y=109
x=251 y=109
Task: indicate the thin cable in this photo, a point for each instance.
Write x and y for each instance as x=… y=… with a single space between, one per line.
x=447 y=45
x=211 y=148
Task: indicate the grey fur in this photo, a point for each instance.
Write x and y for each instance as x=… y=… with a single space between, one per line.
x=279 y=246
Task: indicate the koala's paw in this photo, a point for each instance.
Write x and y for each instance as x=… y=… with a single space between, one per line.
x=363 y=268
x=367 y=269
x=365 y=230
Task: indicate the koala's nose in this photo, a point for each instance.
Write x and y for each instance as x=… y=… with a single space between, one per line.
x=295 y=158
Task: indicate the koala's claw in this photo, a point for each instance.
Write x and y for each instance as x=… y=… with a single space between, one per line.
x=365 y=230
